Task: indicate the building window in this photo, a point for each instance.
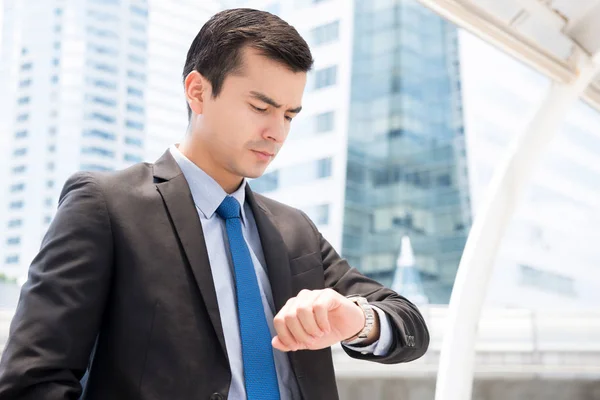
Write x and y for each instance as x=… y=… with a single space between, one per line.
x=135 y=108
x=12 y=259
x=98 y=151
x=19 y=169
x=444 y=180
x=318 y=214
x=16 y=205
x=25 y=83
x=26 y=67
x=547 y=281
x=103 y=84
x=47 y=219
x=23 y=117
x=135 y=92
x=100 y=134
x=325 y=122
x=139 y=11
x=103 y=50
x=324 y=168
x=325 y=33
x=325 y=77
x=21 y=134
x=49 y=202
x=94 y=167
x=266 y=183
x=137 y=142
x=13 y=241
x=141 y=44
x=136 y=75
x=17 y=187
x=50 y=166
x=54 y=79
x=58 y=12
x=23 y=100
x=24 y=51
x=56 y=45
x=104 y=33
x=20 y=152
x=132 y=158
x=110 y=69
x=52 y=131
x=103 y=17
x=134 y=125
x=52 y=148
x=102 y=100
x=102 y=117
x=140 y=27
x=15 y=223
x=137 y=59
x=49 y=184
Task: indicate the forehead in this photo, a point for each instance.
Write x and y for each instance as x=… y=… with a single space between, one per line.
x=261 y=74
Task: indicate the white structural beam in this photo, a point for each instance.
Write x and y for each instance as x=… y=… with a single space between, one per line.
x=467 y=15
x=455 y=373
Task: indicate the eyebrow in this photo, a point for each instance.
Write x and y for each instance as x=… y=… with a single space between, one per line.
x=266 y=99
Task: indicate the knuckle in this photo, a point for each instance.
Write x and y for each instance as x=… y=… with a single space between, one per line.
x=290 y=317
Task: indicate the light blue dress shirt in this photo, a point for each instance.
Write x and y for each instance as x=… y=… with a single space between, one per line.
x=208 y=195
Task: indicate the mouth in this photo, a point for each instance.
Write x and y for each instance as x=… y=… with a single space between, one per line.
x=264 y=155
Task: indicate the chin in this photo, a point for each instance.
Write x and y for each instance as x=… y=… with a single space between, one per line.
x=254 y=173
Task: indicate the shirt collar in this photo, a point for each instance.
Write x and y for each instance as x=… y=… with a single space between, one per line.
x=206 y=192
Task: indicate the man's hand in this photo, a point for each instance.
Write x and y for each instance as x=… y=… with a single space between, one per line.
x=316 y=319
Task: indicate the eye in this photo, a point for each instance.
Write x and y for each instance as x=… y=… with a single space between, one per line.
x=288 y=118
x=258 y=109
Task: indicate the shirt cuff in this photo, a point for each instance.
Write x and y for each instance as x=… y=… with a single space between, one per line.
x=382 y=346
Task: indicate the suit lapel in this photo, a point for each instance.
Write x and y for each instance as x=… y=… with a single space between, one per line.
x=274 y=249
x=178 y=199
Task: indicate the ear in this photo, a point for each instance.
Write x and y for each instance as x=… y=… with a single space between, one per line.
x=196 y=89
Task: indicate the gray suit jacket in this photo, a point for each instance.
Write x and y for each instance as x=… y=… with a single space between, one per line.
x=124 y=263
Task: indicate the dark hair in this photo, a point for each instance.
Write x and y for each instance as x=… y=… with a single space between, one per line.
x=216 y=50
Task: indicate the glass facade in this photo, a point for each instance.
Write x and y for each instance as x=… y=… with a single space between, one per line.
x=406 y=171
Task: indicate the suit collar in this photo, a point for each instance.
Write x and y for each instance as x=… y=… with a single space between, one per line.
x=207 y=193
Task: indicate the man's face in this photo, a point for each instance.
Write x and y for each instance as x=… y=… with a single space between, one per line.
x=245 y=126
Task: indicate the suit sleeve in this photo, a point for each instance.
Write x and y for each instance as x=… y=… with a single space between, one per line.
x=61 y=304
x=410 y=336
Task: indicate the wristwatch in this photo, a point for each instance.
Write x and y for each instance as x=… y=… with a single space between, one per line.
x=369 y=320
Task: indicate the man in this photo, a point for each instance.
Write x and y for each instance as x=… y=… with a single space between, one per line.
x=174 y=280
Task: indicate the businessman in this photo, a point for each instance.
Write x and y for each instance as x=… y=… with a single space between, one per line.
x=174 y=280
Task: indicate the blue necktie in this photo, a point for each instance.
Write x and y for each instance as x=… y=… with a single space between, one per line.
x=259 y=366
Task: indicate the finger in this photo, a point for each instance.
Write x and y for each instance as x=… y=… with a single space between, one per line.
x=304 y=310
x=278 y=344
x=301 y=337
x=283 y=333
x=321 y=313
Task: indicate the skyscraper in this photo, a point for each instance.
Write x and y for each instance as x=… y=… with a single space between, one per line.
x=380 y=152
x=83 y=88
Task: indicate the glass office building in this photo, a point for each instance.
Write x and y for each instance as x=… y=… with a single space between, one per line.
x=401 y=146
x=406 y=160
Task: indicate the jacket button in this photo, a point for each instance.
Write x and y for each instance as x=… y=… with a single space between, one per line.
x=216 y=396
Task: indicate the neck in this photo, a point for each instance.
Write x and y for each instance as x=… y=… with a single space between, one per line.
x=193 y=149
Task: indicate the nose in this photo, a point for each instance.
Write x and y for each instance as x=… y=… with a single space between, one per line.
x=276 y=130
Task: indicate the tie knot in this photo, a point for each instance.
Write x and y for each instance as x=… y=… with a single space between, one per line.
x=229 y=208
